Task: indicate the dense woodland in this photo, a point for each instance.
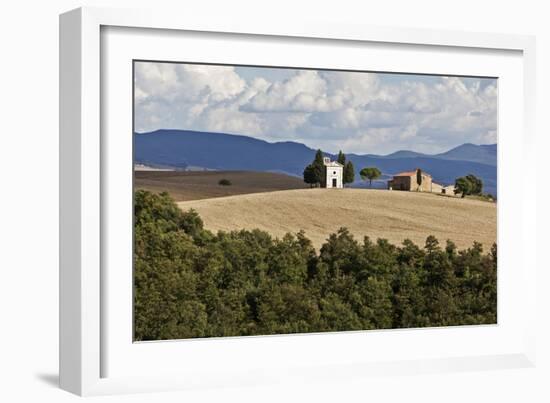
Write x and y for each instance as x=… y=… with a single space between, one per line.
x=190 y=282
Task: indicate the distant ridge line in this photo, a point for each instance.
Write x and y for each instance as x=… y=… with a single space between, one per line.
x=182 y=149
x=390 y=155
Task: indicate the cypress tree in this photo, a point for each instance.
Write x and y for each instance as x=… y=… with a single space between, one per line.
x=419 y=178
x=319 y=168
x=309 y=175
x=349 y=173
x=341 y=158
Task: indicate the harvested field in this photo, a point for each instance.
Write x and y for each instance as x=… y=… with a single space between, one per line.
x=204 y=184
x=392 y=215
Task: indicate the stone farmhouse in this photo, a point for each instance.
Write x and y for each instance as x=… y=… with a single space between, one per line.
x=408 y=181
x=334 y=174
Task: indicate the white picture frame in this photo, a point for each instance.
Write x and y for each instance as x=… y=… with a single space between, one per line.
x=87 y=342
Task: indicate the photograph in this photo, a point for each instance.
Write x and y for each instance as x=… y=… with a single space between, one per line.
x=275 y=200
x=242 y=202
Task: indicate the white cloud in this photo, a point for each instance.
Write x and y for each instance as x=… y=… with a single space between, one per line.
x=304 y=92
x=356 y=112
x=355 y=89
x=187 y=82
x=178 y=94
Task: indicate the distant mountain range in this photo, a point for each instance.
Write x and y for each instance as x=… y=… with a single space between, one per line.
x=182 y=149
x=484 y=154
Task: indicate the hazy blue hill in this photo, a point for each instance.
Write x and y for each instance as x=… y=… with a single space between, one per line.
x=443 y=171
x=401 y=154
x=485 y=154
x=182 y=149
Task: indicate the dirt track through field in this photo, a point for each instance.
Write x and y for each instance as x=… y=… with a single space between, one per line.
x=393 y=215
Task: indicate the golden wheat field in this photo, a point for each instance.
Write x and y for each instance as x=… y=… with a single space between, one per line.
x=392 y=215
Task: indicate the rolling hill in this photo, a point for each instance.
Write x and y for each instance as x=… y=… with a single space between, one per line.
x=483 y=154
x=181 y=149
x=378 y=214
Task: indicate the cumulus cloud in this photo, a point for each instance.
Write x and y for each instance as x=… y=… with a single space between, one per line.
x=355 y=112
x=176 y=95
x=304 y=92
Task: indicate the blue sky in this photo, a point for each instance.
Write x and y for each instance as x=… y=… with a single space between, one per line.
x=357 y=112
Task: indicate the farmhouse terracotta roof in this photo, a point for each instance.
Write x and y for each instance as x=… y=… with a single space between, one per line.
x=406 y=173
x=411 y=173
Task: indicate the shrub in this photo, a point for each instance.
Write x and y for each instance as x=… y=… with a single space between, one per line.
x=224 y=182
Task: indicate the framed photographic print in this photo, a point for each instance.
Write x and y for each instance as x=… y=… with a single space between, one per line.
x=288 y=220
x=241 y=204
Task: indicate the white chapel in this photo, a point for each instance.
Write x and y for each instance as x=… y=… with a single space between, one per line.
x=334 y=173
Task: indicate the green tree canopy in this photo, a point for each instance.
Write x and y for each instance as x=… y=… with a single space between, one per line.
x=370 y=173
x=191 y=283
x=315 y=173
x=419 y=177
x=468 y=185
x=477 y=184
x=341 y=158
x=463 y=186
x=309 y=175
x=319 y=166
x=349 y=173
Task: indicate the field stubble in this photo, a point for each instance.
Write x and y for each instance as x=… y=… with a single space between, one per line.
x=392 y=215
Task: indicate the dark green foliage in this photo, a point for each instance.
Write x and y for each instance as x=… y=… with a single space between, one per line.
x=419 y=177
x=477 y=184
x=463 y=186
x=224 y=182
x=349 y=173
x=319 y=168
x=191 y=283
x=468 y=185
x=315 y=173
x=341 y=158
x=370 y=173
x=310 y=176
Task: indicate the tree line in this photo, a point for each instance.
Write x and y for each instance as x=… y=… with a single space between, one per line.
x=190 y=282
x=315 y=173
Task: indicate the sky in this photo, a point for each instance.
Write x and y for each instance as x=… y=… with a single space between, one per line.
x=356 y=112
